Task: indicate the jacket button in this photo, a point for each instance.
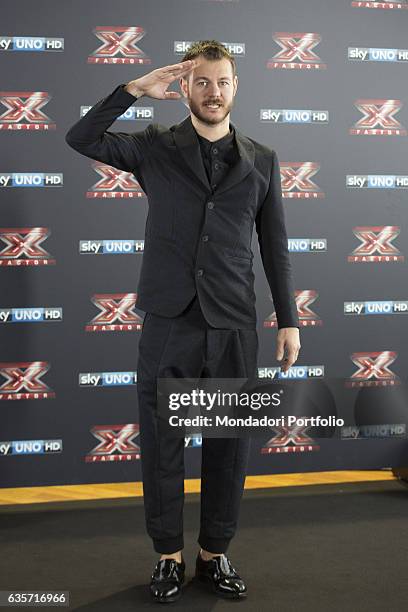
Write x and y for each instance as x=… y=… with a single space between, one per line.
x=205 y=238
x=200 y=272
x=210 y=204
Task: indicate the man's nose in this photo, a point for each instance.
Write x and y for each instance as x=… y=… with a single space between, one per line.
x=214 y=90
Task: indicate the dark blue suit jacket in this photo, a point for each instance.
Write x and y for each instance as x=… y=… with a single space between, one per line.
x=197 y=239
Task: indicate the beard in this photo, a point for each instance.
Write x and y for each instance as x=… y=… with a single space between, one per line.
x=206 y=116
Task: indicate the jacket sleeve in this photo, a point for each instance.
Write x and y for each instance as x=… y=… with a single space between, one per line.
x=122 y=150
x=273 y=246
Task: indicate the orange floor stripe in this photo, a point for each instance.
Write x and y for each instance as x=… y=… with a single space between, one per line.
x=31 y=495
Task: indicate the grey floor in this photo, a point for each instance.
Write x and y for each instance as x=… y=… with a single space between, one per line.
x=321 y=548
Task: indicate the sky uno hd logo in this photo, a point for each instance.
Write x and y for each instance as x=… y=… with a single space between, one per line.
x=376 y=54
x=107 y=379
x=23 y=111
x=111 y=247
x=114 y=183
x=307 y=318
x=388 y=307
x=180 y=47
x=41 y=314
x=376 y=244
x=133 y=113
x=119 y=41
x=296 y=51
x=30 y=179
x=293 y=116
x=23 y=246
x=116 y=313
x=31 y=43
x=193 y=441
x=402 y=4
x=307 y=245
x=30 y=447
x=294 y=372
x=383 y=430
x=296 y=180
x=377 y=181
x=373 y=369
x=378 y=118
x=23 y=381
x=116 y=443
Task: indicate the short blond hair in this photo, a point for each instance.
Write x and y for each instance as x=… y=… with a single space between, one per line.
x=212 y=50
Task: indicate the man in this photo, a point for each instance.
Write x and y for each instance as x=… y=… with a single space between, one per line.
x=207 y=185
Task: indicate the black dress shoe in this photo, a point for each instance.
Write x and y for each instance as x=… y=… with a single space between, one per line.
x=166 y=580
x=223 y=578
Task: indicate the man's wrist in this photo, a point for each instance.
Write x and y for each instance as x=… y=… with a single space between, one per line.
x=133 y=90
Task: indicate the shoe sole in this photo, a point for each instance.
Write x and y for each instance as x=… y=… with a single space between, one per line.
x=207 y=580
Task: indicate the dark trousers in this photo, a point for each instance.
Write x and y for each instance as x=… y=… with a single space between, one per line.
x=186 y=346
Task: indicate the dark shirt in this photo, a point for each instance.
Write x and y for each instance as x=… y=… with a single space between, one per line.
x=218 y=156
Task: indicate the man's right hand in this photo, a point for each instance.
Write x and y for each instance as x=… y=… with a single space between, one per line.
x=155 y=83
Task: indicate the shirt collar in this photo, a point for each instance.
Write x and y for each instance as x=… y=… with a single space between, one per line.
x=221 y=144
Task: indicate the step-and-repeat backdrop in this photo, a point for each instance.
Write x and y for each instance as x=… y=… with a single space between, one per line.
x=325 y=84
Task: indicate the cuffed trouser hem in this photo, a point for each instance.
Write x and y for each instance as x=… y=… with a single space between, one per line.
x=213 y=545
x=168 y=545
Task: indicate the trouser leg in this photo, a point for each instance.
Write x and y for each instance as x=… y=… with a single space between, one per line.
x=186 y=346
x=168 y=347
x=232 y=354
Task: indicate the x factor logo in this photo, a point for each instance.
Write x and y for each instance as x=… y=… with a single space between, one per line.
x=296 y=180
x=119 y=41
x=296 y=51
x=23 y=246
x=116 y=443
x=23 y=381
x=375 y=244
x=116 y=314
x=23 y=111
x=373 y=369
x=114 y=183
x=378 y=118
x=292 y=439
x=385 y=4
x=307 y=318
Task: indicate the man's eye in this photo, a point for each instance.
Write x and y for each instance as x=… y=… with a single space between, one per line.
x=201 y=82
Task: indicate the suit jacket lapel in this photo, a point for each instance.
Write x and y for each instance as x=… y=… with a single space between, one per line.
x=243 y=166
x=189 y=147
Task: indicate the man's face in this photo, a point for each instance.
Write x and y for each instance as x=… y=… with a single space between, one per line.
x=210 y=89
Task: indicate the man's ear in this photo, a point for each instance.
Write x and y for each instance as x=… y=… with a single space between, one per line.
x=235 y=84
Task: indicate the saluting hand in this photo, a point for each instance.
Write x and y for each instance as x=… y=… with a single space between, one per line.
x=155 y=83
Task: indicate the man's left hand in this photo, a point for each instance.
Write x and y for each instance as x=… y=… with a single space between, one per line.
x=287 y=340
